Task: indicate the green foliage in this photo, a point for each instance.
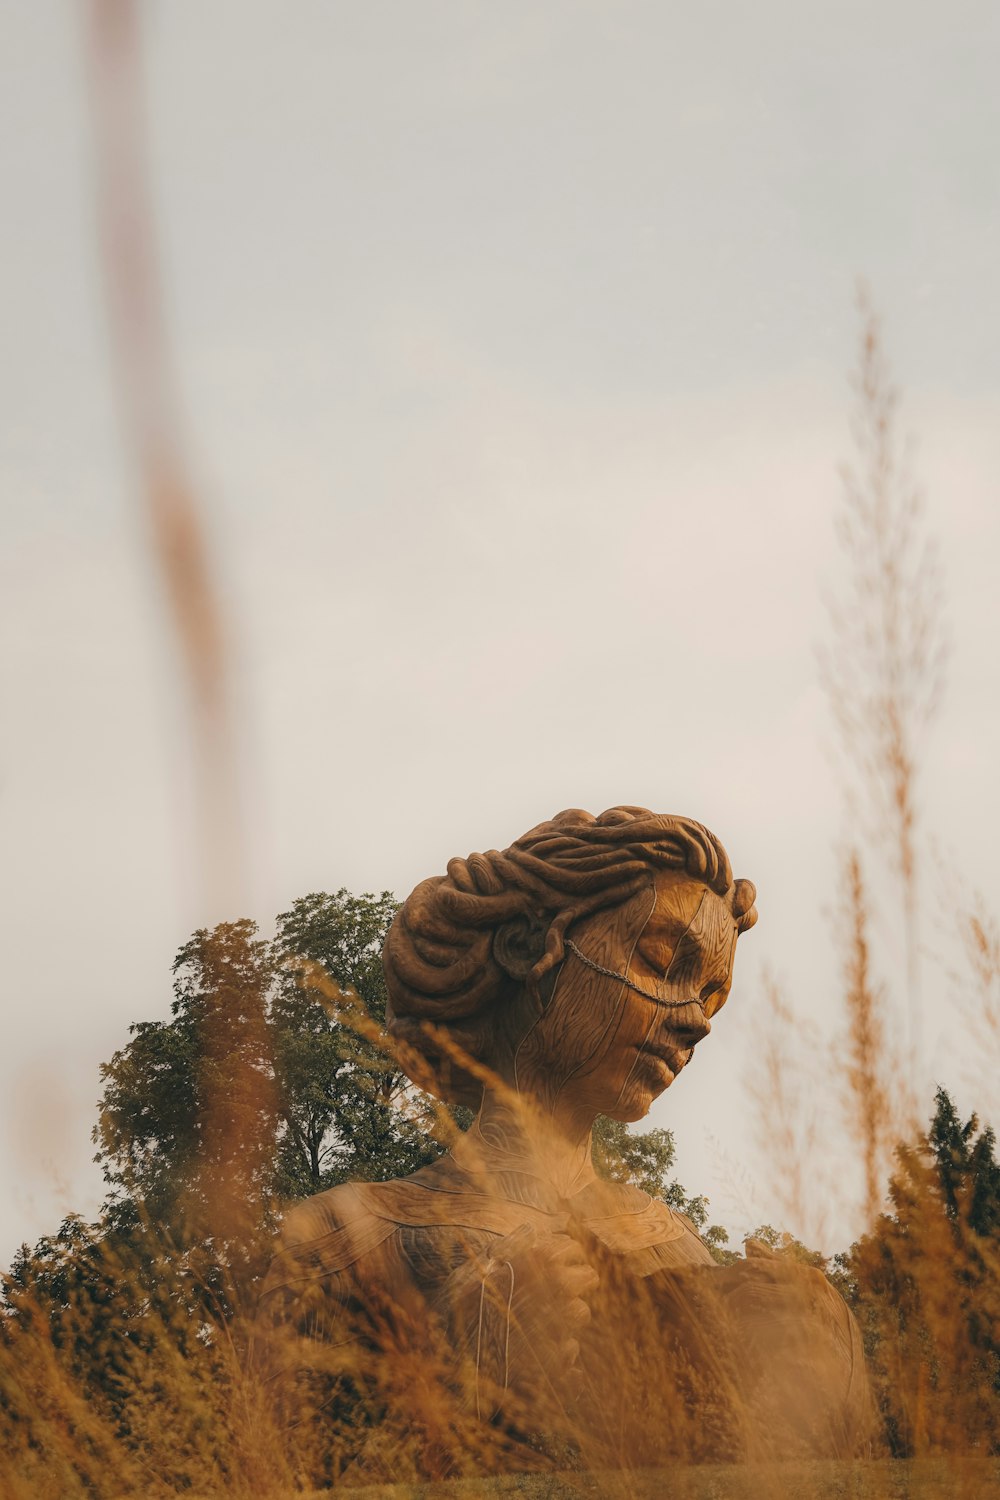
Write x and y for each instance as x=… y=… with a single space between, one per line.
x=119 y=1376
x=347 y=1110
x=257 y=1091
x=644 y=1160
x=189 y=1112
x=925 y=1286
x=106 y=1301
x=967 y=1170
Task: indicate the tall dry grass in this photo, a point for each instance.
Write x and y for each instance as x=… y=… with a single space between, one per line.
x=883 y=666
x=131 y=1365
x=924 y=1274
x=870 y=1101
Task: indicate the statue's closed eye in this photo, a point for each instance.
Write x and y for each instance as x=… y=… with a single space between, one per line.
x=705 y=948
x=685 y=965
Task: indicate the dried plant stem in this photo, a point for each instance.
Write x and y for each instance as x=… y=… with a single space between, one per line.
x=883 y=670
x=868 y=1096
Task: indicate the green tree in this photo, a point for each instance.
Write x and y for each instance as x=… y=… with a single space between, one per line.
x=108 y=1304
x=347 y=1109
x=272 y=1079
x=189 y=1114
x=925 y=1286
x=118 y=1377
x=967 y=1170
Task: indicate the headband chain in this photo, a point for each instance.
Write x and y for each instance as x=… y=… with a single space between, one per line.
x=624 y=979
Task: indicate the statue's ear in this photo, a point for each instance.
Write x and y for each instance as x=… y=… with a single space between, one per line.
x=519 y=944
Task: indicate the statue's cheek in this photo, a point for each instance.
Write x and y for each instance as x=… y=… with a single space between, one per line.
x=566 y=1040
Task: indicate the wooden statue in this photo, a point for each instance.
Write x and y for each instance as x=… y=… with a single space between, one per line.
x=569 y=976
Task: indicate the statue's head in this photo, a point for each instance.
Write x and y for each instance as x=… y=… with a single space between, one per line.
x=581 y=965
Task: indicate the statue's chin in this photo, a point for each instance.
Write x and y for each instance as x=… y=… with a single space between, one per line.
x=634 y=1104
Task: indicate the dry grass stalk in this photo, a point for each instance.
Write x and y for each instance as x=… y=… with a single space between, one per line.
x=925 y=1277
x=884 y=667
x=871 y=1110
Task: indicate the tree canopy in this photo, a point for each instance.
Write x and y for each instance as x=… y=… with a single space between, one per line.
x=925 y=1286
x=257 y=1090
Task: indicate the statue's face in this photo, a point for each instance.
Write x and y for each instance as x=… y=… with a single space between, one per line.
x=610 y=1049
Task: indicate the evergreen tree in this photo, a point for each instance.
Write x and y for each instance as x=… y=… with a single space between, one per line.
x=925 y=1286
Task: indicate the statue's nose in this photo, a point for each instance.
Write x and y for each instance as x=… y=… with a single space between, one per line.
x=694 y=1026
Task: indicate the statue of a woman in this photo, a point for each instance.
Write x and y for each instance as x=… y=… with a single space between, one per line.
x=570 y=976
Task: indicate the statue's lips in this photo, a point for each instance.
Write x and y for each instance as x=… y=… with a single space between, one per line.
x=663 y=1062
x=688 y=1024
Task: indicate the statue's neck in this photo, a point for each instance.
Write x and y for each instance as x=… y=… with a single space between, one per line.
x=516 y=1136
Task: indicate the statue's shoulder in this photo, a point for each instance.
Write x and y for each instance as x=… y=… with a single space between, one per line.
x=339 y=1250
x=646 y=1230
x=338 y=1229
x=323 y=1214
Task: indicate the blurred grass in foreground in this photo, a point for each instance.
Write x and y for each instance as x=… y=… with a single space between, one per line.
x=875 y=1480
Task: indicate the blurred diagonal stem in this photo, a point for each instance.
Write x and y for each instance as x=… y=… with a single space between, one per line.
x=151 y=425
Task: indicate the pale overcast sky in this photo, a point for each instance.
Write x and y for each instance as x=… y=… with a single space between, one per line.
x=513 y=342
